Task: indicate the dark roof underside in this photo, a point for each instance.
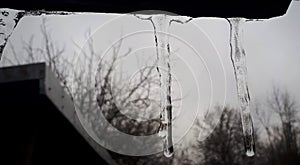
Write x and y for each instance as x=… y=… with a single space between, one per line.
x=256 y=9
x=34 y=130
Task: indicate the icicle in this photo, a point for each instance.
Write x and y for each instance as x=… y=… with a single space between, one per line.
x=161 y=24
x=238 y=57
x=161 y=27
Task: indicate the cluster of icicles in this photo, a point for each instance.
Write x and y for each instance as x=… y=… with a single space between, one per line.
x=161 y=24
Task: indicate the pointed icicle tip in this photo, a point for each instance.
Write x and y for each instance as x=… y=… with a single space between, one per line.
x=168 y=153
x=250 y=153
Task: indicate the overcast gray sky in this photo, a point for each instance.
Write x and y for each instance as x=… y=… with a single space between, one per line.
x=201 y=61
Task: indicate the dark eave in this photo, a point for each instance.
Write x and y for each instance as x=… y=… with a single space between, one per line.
x=254 y=9
x=38 y=121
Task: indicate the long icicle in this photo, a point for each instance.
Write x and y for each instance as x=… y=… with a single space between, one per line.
x=168 y=111
x=161 y=27
x=161 y=24
x=238 y=58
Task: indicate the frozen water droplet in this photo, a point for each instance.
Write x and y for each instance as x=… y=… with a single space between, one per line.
x=168 y=148
x=168 y=153
x=250 y=153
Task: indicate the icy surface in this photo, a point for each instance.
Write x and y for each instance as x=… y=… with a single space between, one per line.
x=238 y=57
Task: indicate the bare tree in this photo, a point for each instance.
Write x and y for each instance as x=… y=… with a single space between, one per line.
x=279 y=119
x=95 y=88
x=47 y=52
x=284 y=106
x=225 y=143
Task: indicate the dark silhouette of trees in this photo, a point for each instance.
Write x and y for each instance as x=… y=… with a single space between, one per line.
x=277 y=134
x=279 y=119
x=284 y=106
x=225 y=144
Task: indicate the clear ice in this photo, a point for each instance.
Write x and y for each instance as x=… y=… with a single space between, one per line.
x=161 y=24
x=238 y=58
